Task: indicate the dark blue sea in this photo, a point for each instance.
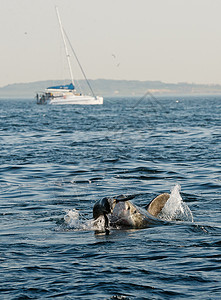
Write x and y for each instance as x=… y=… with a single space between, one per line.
x=57 y=159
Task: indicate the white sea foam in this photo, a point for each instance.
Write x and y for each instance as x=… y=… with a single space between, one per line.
x=99 y=224
x=75 y=221
x=175 y=208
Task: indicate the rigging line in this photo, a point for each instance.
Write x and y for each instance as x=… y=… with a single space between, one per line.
x=75 y=55
x=65 y=45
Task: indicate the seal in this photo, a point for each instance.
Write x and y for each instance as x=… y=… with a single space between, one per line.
x=120 y=212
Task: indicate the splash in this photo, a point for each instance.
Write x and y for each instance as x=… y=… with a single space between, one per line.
x=175 y=209
x=99 y=225
x=75 y=221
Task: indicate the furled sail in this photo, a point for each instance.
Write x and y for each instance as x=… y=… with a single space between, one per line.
x=62 y=87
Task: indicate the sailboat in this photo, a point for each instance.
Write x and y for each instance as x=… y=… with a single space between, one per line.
x=67 y=94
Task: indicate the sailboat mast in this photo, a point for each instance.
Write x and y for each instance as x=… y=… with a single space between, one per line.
x=65 y=46
x=79 y=64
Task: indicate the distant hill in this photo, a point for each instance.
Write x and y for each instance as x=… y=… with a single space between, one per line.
x=108 y=87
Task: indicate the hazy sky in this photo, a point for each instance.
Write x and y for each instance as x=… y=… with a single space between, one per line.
x=166 y=40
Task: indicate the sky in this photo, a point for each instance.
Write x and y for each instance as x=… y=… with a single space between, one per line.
x=165 y=40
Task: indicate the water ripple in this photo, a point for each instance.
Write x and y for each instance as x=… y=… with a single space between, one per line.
x=59 y=159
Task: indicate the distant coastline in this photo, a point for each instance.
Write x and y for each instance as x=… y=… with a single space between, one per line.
x=111 y=88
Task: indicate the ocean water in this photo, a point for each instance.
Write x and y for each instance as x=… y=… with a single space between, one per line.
x=56 y=161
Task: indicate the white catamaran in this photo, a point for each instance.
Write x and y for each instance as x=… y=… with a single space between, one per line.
x=66 y=94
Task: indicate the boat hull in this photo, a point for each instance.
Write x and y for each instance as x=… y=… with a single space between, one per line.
x=75 y=99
